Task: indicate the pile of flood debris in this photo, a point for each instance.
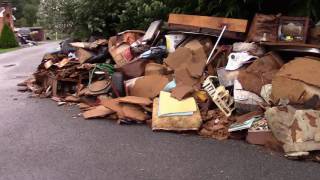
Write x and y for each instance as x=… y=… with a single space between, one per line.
x=211 y=75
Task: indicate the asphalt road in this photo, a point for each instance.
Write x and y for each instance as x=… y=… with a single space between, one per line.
x=40 y=141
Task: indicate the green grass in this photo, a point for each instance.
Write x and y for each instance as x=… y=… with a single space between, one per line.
x=8 y=50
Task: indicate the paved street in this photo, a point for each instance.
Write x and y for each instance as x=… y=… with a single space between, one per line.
x=41 y=141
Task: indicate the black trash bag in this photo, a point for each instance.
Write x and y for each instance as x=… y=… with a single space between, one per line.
x=155 y=53
x=100 y=56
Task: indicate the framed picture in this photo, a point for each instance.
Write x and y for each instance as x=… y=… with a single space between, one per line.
x=293 y=29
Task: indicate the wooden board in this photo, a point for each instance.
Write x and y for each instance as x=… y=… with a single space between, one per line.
x=217 y=23
x=205 y=31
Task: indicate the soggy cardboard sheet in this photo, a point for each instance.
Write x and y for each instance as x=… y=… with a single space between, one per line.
x=297 y=81
x=126 y=110
x=178 y=59
x=114 y=105
x=194 y=61
x=149 y=86
x=198 y=63
x=183 y=77
x=302 y=69
x=295 y=91
x=97 y=112
x=136 y=100
x=260 y=73
x=181 y=92
x=134 y=112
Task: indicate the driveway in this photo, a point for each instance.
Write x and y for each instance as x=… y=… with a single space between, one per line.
x=39 y=140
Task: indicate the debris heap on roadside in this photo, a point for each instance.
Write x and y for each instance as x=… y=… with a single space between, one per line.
x=215 y=76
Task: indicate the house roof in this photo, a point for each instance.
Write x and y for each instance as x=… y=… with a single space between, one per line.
x=2 y=11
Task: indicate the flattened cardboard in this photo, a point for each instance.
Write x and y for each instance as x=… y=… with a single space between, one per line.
x=134 y=112
x=193 y=45
x=302 y=69
x=97 y=112
x=72 y=99
x=183 y=77
x=114 y=105
x=149 y=86
x=182 y=91
x=197 y=64
x=295 y=91
x=134 y=69
x=99 y=86
x=188 y=65
x=136 y=100
x=177 y=59
x=83 y=106
x=192 y=60
x=298 y=81
x=155 y=69
x=118 y=54
x=260 y=73
x=130 y=111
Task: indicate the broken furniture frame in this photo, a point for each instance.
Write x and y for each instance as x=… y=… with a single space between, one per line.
x=220 y=96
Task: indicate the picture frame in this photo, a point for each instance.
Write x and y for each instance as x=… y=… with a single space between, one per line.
x=293 y=29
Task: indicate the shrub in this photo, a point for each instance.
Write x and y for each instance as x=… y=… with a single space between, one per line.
x=8 y=38
x=82 y=18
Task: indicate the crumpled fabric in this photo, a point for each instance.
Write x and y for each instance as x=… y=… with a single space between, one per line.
x=298 y=130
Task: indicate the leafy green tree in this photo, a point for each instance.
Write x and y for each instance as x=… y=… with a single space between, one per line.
x=58 y=15
x=309 y=8
x=30 y=14
x=139 y=14
x=83 y=18
x=25 y=12
x=99 y=17
x=7 y=38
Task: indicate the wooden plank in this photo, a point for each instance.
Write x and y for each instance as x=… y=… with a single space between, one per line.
x=217 y=23
x=205 y=31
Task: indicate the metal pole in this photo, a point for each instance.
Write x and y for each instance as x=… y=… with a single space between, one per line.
x=217 y=43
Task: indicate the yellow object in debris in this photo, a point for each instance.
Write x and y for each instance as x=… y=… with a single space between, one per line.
x=201 y=95
x=169 y=106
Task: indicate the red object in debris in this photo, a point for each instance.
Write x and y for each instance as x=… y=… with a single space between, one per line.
x=128 y=55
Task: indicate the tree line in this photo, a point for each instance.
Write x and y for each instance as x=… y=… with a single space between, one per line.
x=25 y=12
x=82 y=18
